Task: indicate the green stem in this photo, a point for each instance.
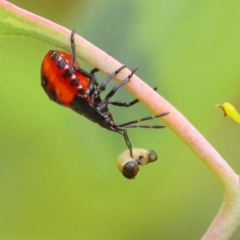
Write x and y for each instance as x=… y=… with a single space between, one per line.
x=15 y=21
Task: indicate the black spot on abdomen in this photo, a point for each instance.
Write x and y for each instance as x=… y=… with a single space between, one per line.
x=67 y=73
x=74 y=83
x=54 y=57
x=52 y=95
x=81 y=91
x=50 y=52
x=44 y=81
x=61 y=64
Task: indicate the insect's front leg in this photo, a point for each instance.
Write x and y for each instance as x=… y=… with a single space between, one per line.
x=103 y=85
x=123 y=132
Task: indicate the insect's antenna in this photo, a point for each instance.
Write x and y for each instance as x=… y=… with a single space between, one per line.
x=141 y=120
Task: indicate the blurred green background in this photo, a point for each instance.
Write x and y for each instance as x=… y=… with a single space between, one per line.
x=58 y=174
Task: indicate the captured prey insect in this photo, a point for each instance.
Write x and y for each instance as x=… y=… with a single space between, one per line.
x=129 y=166
x=67 y=84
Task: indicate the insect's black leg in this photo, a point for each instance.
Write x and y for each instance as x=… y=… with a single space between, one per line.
x=114 y=90
x=143 y=119
x=73 y=49
x=94 y=71
x=80 y=70
x=102 y=86
x=146 y=126
x=124 y=104
x=124 y=133
x=86 y=74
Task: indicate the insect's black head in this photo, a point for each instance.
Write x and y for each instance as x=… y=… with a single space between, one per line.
x=152 y=156
x=130 y=169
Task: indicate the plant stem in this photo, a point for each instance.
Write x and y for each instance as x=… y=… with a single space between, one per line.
x=15 y=21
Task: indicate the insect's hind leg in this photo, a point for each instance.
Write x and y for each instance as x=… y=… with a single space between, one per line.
x=123 y=132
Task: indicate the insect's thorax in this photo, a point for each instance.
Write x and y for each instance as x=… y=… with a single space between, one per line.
x=103 y=117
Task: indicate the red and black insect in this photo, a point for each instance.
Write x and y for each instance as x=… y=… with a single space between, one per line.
x=67 y=84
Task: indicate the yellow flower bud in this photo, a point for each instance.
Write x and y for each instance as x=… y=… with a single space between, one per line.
x=229 y=110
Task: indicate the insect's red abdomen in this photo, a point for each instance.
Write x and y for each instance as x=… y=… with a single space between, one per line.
x=59 y=79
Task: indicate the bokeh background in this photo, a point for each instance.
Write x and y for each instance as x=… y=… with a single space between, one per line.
x=58 y=175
